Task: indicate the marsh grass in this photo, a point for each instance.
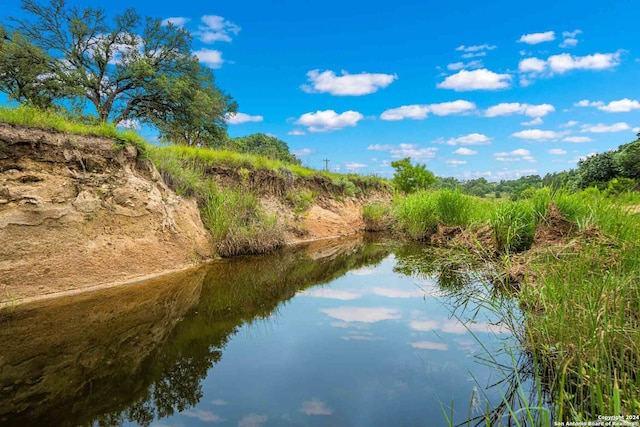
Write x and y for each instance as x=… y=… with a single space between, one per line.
x=454 y=207
x=416 y=214
x=514 y=226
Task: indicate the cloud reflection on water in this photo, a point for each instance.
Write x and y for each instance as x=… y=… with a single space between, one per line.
x=362 y=314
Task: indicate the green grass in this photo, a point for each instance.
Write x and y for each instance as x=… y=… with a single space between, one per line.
x=513 y=226
x=416 y=214
x=32 y=117
x=454 y=207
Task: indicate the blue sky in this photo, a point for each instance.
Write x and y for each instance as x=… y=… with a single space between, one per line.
x=498 y=89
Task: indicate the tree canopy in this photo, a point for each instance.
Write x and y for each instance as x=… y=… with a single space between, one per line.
x=410 y=178
x=127 y=68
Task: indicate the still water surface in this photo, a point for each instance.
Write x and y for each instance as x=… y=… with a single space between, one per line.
x=344 y=333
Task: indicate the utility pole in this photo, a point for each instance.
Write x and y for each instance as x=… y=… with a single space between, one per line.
x=326 y=164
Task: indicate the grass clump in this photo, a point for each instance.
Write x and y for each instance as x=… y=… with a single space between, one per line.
x=454 y=208
x=513 y=226
x=300 y=200
x=377 y=216
x=417 y=214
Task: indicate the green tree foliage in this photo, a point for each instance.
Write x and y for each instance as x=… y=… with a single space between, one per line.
x=628 y=160
x=26 y=73
x=410 y=178
x=195 y=109
x=264 y=145
x=127 y=68
x=599 y=168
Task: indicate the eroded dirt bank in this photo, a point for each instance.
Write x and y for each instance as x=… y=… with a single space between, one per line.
x=78 y=212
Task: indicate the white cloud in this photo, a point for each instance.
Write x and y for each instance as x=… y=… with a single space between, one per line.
x=430 y=345
x=570 y=39
x=465 y=152
x=252 y=420
x=537 y=134
x=470 y=139
x=587 y=103
x=514 y=156
x=329 y=293
x=215 y=29
x=239 y=118
x=598 y=61
x=536 y=38
x=346 y=84
x=315 y=407
x=508 y=108
x=405 y=150
x=577 y=139
x=354 y=167
x=416 y=112
x=481 y=79
x=178 y=21
x=557 y=151
x=130 y=124
x=602 y=128
x=569 y=124
x=622 y=106
x=476 y=48
x=636 y=130
x=296 y=132
x=460 y=65
x=535 y=122
x=210 y=57
x=473 y=55
x=204 y=416
x=398 y=293
x=454 y=163
x=532 y=65
x=421 y=111
x=362 y=314
x=303 y=152
x=329 y=120
x=218 y=402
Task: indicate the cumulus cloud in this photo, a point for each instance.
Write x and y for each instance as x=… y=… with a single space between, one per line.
x=296 y=132
x=536 y=38
x=130 y=124
x=210 y=57
x=216 y=29
x=481 y=79
x=622 y=106
x=329 y=120
x=537 y=134
x=602 y=128
x=532 y=65
x=354 y=167
x=455 y=163
x=569 y=124
x=598 y=61
x=570 y=39
x=465 y=152
x=535 y=122
x=315 y=407
x=470 y=139
x=557 y=151
x=346 y=84
x=405 y=150
x=420 y=111
x=239 y=118
x=577 y=139
x=514 y=156
x=509 y=108
x=178 y=21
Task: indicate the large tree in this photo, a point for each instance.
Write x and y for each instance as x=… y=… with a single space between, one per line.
x=410 y=178
x=122 y=67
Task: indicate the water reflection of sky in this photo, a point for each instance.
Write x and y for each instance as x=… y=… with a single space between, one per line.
x=373 y=347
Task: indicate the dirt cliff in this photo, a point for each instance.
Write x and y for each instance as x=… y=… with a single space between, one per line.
x=83 y=212
x=78 y=211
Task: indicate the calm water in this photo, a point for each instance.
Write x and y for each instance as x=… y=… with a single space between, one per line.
x=346 y=333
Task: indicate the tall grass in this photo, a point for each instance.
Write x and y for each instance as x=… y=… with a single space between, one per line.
x=33 y=117
x=416 y=214
x=514 y=226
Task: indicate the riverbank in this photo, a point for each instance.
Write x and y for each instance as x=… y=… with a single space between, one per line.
x=83 y=211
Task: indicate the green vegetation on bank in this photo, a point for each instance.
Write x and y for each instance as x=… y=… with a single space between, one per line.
x=580 y=294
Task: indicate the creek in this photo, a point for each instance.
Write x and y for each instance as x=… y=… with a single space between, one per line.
x=357 y=332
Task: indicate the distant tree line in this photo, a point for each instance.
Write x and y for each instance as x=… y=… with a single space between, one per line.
x=123 y=70
x=614 y=171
